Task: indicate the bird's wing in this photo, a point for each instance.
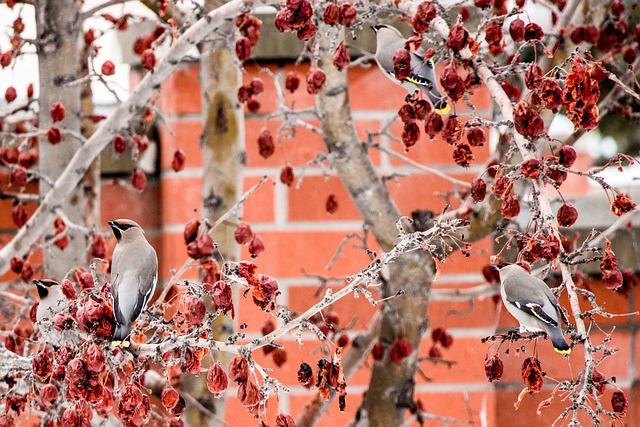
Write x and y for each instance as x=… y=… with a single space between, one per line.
x=422 y=72
x=537 y=311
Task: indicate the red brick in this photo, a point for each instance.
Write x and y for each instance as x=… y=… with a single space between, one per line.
x=269 y=98
x=261 y=204
x=370 y=84
x=310 y=351
x=559 y=368
x=180 y=93
x=468 y=355
x=308 y=203
x=297 y=151
x=575 y=184
x=237 y=415
x=364 y=128
x=186 y=135
x=458 y=263
x=172 y=255
x=433 y=151
x=332 y=417
x=613 y=302
x=418 y=191
x=464 y=406
x=247 y=312
x=182 y=198
x=359 y=311
x=291 y=253
x=117 y=201
x=480 y=313
x=506 y=415
x=300 y=99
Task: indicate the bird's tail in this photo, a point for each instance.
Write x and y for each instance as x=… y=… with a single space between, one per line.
x=559 y=343
x=122 y=332
x=441 y=106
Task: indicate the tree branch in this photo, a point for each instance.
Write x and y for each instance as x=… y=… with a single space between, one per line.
x=81 y=161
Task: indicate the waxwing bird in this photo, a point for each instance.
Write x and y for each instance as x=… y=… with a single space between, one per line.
x=388 y=41
x=532 y=303
x=134 y=274
x=52 y=302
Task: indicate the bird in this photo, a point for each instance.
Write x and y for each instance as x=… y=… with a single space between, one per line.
x=388 y=41
x=52 y=302
x=530 y=301
x=134 y=274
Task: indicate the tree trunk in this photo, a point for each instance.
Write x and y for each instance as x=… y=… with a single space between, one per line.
x=59 y=27
x=222 y=154
x=391 y=386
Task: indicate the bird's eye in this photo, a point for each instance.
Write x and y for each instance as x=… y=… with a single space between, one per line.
x=124 y=227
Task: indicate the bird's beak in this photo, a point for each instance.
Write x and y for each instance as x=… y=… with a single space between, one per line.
x=115 y=229
x=374 y=28
x=495 y=267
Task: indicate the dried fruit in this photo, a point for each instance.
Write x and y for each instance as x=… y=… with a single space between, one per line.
x=476 y=137
x=217 y=381
x=57 y=112
x=10 y=94
x=179 y=157
x=341 y=58
x=425 y=13
x=400 y=350
x=516 y=30
x=331 y=15
x=287 y=175
x=622 y=204
x=54 y=136
x=532 y=375
x=530 y=168
x=457 y=39
x=201 y=247
x=315 y=81
x=305 y=374
x=567 y=215
x=377 y=351
x=256 y=246
x=239 y=369
x=567 y=156
x=402 y=64
x=266 y=145
x=108 y=69
x=619 y=402
x=138 y=180
x=243 y=233
x=292 y=80
x=527 y=122
x=243 y=49
x=478 y=189
x=510 y=207
x=19 y=215
x=331 y=205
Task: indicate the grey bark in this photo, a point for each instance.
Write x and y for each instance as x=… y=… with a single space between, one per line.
x=391 y=386
x=222 y=162
x=59 y=27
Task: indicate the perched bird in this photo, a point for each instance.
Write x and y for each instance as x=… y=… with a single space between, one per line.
x=388 y=41
x=51 y=303
x=134 y=274
x=530 y=301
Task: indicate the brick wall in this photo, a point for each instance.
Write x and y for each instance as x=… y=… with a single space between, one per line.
x=301 y=237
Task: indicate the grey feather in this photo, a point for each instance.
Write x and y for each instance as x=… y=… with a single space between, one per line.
x=532 y=303
x=134 y=274
x=389 y=40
